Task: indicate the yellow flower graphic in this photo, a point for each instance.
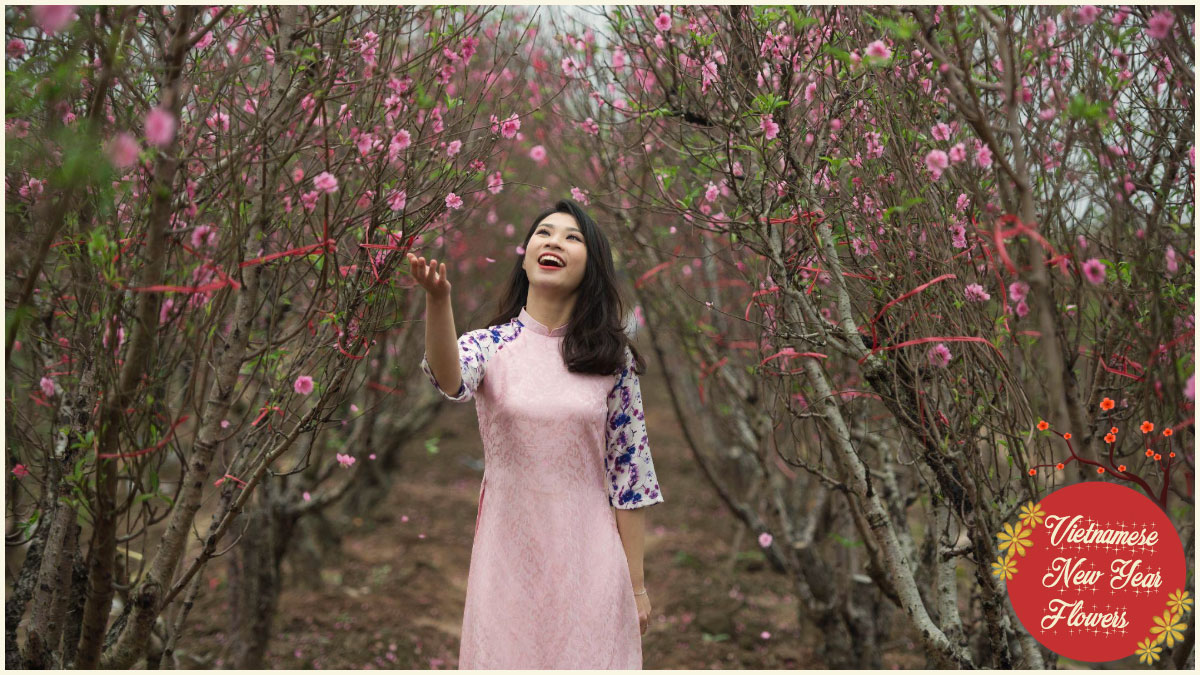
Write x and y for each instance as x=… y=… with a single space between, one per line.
x=1148 y=651
x=1032 y=514
x=1167 y=628
x=1005 y=566
x=1179 y=602
x=1014 y=539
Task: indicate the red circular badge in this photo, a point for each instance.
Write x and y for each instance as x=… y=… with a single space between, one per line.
x=1096 y=572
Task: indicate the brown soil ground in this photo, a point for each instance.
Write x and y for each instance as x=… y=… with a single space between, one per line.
x=395 y=597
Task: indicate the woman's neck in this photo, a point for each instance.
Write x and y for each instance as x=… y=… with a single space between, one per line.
x=550 y=312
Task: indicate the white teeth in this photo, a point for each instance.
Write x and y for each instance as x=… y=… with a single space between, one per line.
x=546 y=256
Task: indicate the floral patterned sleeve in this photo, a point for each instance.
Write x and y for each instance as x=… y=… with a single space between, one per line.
x=474 y=349
x=631 y=480
x=471 y=358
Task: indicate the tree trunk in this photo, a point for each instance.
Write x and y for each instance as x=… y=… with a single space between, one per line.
x=255 y=579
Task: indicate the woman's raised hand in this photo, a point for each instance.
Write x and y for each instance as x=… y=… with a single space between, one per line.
x=431 y=276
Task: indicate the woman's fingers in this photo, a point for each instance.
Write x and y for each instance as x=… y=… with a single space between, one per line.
x=429 y=275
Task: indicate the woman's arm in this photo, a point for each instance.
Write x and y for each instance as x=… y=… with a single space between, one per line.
x=631 y=524
x=441 y=343
x=441 y=340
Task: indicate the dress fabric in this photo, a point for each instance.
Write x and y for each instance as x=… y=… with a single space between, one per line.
x=549 y=583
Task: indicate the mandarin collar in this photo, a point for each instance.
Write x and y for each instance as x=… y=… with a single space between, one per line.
x=539 y=328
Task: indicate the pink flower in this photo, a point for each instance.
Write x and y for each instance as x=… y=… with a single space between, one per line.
x=537 y=153
x=1047 y=114
x=345 y=460
x=397 y=199
x=764 y=539
x=303 y=385
x=939 y=355
x=204 y=41
x=975 y=293
x=810 y=92
x=711 y=193
x=402 y=139
x=766 y=635
x=218 y=120
x=579 y=195
x=940 y=132
x=47 y=385
x=204 y=235
x=1159 y=26
x=15 y=48
x=20 y=471
x=962 y=202
x=1189 y=388
x=936 y=161
x=269 y=56
x=879 y=50
x=1094 y=270
x=53 y=18
x=1172 y=260
x=1087 y=14
x=510 y=126
x=224 y=424
x=983 y=156
x=769 y=126
x=453 y=148
x=958 y=235
x=453 y=201
x=160 y=127
x=308 y=498
x=364 y=143
x=123 y=150
x=495 y=183
x=325 y=182
x=1022 y=309
x=958 y=153
x=663 y=22
x=1017 y=291
x=309 y=200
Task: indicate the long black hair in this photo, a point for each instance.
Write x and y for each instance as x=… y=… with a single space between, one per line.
x=595 y=340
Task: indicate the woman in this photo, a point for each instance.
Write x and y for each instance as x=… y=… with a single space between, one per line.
x=556 y=566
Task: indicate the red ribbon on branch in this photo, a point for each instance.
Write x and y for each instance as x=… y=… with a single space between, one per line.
x=240 y=483
x=705 y=371
x=362 y=339
x=755 y=294
x=263 y=412
x=326 y=246
x=387 y=247
x=999 y=234
x=918 y=289
x=653 y=270
x=960 y=338
x=145 y=451
x=788 y=352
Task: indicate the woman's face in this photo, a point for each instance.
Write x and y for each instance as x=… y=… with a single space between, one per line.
x=558 y=235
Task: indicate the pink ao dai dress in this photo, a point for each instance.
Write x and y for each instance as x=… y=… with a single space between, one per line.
x=549 y=583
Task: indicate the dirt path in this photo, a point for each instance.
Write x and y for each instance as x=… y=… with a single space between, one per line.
x=395 y=599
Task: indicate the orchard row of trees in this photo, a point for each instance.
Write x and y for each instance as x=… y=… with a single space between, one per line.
x=874 y=246
x=878 y=246
x=207 y=209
